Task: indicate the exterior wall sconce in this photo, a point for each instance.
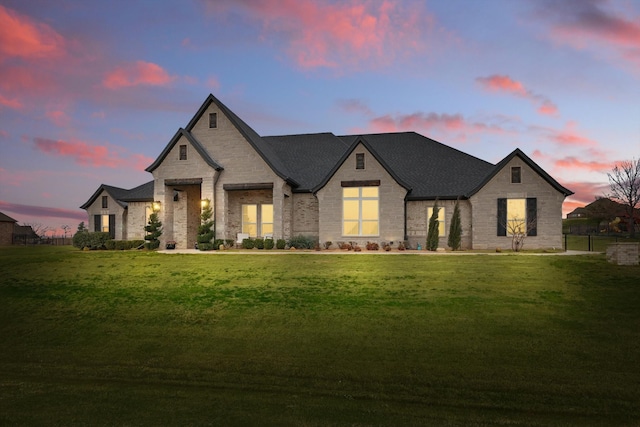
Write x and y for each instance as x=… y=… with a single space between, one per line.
x=156 y=206
x=204 y=203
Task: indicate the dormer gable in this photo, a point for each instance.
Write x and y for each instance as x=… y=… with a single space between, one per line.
x=182 y=133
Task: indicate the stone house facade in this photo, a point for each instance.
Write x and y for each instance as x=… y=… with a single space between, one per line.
x=352 y=188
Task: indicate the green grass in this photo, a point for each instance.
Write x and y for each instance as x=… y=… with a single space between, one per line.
x=141 y=338
x=594 y=243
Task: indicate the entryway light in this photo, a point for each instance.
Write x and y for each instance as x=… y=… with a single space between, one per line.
x=156 y=206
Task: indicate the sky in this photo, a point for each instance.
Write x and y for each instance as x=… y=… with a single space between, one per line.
x=92 y=91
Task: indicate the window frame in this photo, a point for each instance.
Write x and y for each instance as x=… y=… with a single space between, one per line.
x=260 y=224
x=213 y=120
x=105 y=202
x=363 y=218
x=442 y=230
x=183 y=152
x=516 y=175
x=360 y=164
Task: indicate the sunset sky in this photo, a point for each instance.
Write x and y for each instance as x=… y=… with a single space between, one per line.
x=92 y=91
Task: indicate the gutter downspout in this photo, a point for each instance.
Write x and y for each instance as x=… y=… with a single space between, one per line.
x=215 y=204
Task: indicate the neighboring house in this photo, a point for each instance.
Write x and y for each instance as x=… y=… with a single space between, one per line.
x=353 y=188
x=7 y=225
x=12 y=233
x=119 y=212
x=602 y=215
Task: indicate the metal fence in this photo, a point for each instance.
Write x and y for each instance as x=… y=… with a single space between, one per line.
x=593 y=242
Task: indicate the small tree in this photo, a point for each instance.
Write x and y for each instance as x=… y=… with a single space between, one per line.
x=518 y=230
x=205 y=230
x=154 y=231
x=433 y=235
x=455 y=229
x=624 y=181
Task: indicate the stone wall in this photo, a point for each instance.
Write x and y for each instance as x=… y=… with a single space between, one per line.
x=305 y=215
x=624 y=253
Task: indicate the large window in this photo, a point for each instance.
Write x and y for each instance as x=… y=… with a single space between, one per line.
x=257 y=220
x=106 y=224
x=360 y=211
x=517 y=216
x=442 y=231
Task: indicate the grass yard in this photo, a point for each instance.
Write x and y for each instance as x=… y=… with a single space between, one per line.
x=141 y=338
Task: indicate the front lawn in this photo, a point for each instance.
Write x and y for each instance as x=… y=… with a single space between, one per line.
x=142 y=338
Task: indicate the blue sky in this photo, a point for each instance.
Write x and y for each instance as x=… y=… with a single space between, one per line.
x=91 y=92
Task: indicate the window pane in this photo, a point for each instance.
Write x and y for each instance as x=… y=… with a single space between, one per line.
x=350 y=192
x=267 y=229
x=267 y=213
x=351 y=209
x=370 y=228
x=105 y=223
x=370 y=192
x=250 y=229
x=370 y=209
x=249 y=213
x=350 y=228
x=516 y=216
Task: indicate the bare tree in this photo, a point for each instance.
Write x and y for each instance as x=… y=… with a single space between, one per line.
x=624 y=182
x=38 y=228
x=518 y=229
x=66 y=230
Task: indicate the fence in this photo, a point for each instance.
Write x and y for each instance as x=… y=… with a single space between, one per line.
x=592 y=242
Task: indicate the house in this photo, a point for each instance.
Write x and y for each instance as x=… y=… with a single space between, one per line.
x=12 y=233
x=7 y=225
x=122 y=213
x=352 y=188
x=601 y=215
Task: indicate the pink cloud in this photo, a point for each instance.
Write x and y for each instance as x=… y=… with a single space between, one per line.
x=596 y=26
x=452 y=126
x=322 y=34
x=58 y=118
x=137 y=73
x=503 y=83
x=21 y=36
x=572 y=162
x=571 y=136
x=10 y=103
x=355 y=106
x=90 y=155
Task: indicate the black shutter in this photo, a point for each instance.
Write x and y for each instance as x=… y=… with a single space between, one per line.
x=112 y=226
x=532 y=216
x=502 y=217
x=96 y=222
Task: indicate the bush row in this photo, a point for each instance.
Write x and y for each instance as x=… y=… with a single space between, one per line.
x=91 y=240
x=298 y=242
x=122 y=245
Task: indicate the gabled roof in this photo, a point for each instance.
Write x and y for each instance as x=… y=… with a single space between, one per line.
x=262 y=148
x=533 y=165
x=6 y=218
x=142 y=192
x=431 y=169
x=194 y=143
x=361 y=140
x=309 y=157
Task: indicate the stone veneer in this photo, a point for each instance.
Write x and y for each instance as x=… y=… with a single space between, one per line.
x=623 y=253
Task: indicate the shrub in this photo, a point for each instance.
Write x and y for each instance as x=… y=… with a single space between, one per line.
x=94 y=240
x=327 y=244
x=268 y=243
x=205 y=229
x=248 y=243
x=217 y=243
x=303 y=242
x=345 y=246
x=433 y=235
x=205 y=246
x=228 y=243
x=455 y=229
x=372 y=246
x=259 y=243
x=154 y=231
x=281 y=244
x=110 y=245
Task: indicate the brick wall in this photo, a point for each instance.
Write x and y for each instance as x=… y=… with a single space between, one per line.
x=418 y=222
x=391 y=203
x=549 y=205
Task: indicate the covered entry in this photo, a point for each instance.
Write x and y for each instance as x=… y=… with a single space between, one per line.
x=182 y=216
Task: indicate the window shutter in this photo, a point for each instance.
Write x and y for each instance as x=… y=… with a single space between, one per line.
x=502 y=217
x=112 y=226
x=532 y=216
x=96 y=222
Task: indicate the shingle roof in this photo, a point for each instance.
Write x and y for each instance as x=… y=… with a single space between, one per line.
x=6 y=218
x=142 y=192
